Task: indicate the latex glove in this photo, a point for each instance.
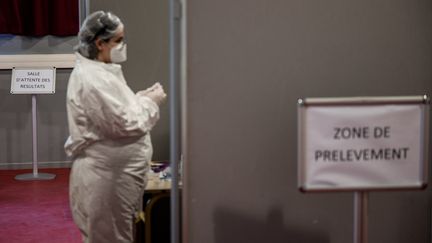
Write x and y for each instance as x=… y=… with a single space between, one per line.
x=146 y=91
x=155 y=92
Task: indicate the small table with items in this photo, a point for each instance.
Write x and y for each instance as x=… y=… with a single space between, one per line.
x=156 y=225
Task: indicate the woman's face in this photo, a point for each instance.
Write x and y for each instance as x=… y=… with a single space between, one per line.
x=105 y=47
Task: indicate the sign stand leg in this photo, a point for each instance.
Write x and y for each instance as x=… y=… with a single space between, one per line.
x=35 y=175
x=361 y=199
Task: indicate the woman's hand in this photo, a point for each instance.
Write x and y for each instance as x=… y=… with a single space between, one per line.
x=155 y=92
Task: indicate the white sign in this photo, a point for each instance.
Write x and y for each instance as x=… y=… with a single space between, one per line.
x=33 y=81
x=348 y=147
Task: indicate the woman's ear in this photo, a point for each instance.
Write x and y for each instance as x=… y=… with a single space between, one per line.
x=99 y=44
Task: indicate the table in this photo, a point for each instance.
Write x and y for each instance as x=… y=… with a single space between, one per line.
x=156 y=200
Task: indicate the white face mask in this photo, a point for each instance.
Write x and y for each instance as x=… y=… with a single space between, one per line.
x=118 y=53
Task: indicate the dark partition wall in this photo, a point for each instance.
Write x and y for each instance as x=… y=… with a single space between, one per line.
x=248 y=63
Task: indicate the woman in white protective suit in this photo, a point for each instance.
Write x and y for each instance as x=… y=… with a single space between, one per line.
x=109 y=138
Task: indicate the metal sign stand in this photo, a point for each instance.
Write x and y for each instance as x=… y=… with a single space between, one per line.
x=360 y=230
x=35 y=175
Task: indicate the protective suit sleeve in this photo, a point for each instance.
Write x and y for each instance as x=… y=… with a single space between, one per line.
x=117 y=112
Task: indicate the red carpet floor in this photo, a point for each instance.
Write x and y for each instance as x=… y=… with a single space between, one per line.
x=36 y=211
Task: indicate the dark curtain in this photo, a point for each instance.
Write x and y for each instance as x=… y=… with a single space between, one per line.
x=39 y=17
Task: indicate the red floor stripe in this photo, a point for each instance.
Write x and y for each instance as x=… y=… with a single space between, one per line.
x=36 y=211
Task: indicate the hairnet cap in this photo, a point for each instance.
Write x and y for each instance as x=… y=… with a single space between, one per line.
x=98 y=24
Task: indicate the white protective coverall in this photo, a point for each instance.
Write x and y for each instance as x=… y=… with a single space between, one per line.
x=110 y=145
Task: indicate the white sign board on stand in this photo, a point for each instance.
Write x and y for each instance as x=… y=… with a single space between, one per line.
x=369 y=143
x=33 y=81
